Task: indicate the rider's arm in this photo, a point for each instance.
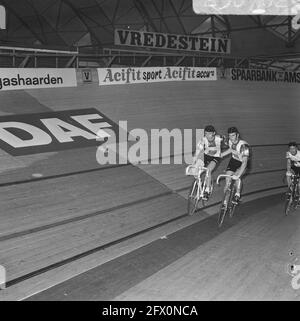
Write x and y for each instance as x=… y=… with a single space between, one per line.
x=289 y=165
x=198 y=152
x=243 y=167
x=245 y=157
x=225 y=149
x=226 y=152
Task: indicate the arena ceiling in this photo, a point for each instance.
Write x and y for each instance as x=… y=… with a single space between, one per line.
x=72 y=23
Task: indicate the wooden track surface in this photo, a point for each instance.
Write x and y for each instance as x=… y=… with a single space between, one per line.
x=265 y=113
x=246 y=262
x=248 y=259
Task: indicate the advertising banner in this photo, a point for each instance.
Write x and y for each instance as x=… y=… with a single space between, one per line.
x=32 y=78
x=132 y=75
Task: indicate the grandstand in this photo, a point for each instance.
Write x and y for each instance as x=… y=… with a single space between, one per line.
x=74 y=229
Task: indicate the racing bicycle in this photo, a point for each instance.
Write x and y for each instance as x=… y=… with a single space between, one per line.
x=227 y=206
x=197 y=190
x=292 y=196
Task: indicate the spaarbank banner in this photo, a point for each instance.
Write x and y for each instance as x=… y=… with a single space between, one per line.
x=264 y=75
x=120 y=76
x=53 y=131
x=171 y=42
x=31 y=78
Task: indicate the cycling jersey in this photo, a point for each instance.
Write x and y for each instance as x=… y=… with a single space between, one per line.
x=211 y=148
x=239 y=150
x=295 y=159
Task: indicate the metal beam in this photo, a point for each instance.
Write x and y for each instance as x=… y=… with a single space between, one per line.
x=290 y=34
x=177 y=16
x=110 y=61
x=71 y=62
x=24 y=23
x=79 y=15
x=240 y=62
x=211 y=61
x=115 y=12
x=297 y=68
x=213 y=27
x=160 y=16
x=144 y=13
x=25 y=61
x=146 y=61
x=244 y=28
x=38 y=19
x=179 y=61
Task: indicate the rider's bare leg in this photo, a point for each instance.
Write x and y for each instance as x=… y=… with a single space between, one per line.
x=228 y=179
x=289 y=180
x=238 y=187
x=211 y=166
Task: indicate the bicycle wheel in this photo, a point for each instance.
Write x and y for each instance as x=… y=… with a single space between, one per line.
x=204 y=202
x=296 y=198
x=222 y=214
x=288 y=204
x=193 y=199
x=223 y=208
x=232 y=206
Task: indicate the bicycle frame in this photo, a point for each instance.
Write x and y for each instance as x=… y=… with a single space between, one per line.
x=229 y=188
x=295 y=184
x=228 y=194
x=293 y=199
x=198 y=181
x=230 y=176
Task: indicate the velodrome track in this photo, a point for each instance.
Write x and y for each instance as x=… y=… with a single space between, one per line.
x=80 y=215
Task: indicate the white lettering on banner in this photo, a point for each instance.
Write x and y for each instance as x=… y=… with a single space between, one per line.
x=265 y=75
x=137 y=38
x=96 y=128
x=2 y=17
x=87 y=75
x=57 y=126
x=117 y=76
x=52 y=131
x=31 y=78
x=39 y=137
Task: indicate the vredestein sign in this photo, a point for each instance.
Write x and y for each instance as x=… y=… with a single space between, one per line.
x=156 y=40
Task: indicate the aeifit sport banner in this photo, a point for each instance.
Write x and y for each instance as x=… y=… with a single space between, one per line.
x=132 y=75
x=172 y=42
x=264 y=75
x=31 y=78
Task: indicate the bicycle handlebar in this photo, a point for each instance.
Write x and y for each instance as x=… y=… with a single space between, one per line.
x=225 y=175
x=201 y=169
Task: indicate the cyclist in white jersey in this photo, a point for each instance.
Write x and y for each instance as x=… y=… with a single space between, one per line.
x=209 y=151
x=238 y=164
x=293 y=162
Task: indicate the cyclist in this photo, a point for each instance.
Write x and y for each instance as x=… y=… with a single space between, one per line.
x=238 y=164
x=293 y=162
x=210 y=145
